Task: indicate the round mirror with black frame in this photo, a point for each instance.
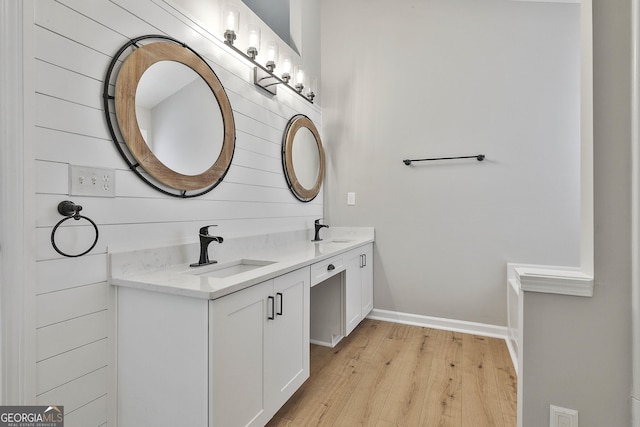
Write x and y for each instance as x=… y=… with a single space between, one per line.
x=173 y=123
x=303 y=158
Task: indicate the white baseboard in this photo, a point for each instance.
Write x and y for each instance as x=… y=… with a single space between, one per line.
x=333 y=343
x=513 y=354
x=463 y=326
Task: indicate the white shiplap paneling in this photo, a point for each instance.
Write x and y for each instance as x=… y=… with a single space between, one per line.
x=75 y=393
x=55 y=307
x=73 y=364
x=74 y=43
x=61 y=337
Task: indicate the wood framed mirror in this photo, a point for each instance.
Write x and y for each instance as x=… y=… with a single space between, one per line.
x=303 y=158
x=174 y=124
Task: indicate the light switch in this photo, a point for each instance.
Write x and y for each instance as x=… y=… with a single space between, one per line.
x=351 y=199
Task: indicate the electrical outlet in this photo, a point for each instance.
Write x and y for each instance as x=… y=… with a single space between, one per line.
x=562 y=417
x=90 y=181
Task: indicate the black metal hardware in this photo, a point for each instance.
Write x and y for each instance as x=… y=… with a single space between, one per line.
x=69 y=210
x=279 y=294
x=318 y=226
x=331 y=267
x=478 y=157
x=205 y=239
x=273 y=308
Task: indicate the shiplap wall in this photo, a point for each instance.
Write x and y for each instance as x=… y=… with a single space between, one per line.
x=74 y=41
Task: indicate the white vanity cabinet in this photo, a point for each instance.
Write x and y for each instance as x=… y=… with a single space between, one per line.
x=231 y=361
x=259 y=349
x=358 y=285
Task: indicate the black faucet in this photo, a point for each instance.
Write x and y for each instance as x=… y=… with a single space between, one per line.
x=318 y=226
x=205 y=239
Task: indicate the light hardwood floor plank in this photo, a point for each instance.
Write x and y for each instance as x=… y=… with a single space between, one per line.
x=387 y=374
x=442 y=405
x=506 y=379
x=479 y=388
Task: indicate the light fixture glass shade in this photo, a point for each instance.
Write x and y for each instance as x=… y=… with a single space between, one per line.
x=298 y=78
x=312 y=84
x=272 y=50
x=298 y=75
x=230 y=23
x=254 y=40
x=272 y=54
x=286 y=69
x=230 y=18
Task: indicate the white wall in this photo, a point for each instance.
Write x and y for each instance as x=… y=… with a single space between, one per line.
x=74 y=41
x=413 y=79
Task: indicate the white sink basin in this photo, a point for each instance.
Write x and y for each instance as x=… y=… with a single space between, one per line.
x=340 y=241
x=227 y=269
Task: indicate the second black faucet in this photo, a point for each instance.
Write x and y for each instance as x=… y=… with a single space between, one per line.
x=205 y=239
x=318 y=226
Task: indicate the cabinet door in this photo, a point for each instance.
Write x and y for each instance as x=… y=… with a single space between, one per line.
x=367 y=280
x=352 y=291
x=238 y=324
x=287 y=347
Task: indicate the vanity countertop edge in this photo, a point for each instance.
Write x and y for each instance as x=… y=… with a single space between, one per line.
x=176 y=278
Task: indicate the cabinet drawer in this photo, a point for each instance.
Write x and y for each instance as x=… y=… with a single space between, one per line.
x=321 y=271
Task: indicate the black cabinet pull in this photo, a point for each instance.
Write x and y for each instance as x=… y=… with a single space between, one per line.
x=279 y=312
x=331 y=267
x=273 y=308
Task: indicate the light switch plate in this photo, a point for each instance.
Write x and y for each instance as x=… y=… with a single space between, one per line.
x=90 y=181
x=351 y=199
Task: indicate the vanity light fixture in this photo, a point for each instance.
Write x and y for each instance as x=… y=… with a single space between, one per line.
x=230 y=22
x=264 y=76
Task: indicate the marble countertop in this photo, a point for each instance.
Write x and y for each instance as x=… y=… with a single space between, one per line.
x=166 y=269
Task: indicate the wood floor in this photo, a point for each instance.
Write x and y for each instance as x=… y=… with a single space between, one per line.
x=388 y=374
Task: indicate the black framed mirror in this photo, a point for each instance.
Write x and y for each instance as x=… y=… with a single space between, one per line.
x=173 y=124
x=303 y=158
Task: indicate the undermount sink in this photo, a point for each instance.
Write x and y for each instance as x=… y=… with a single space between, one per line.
x=227 y=269
x=340 y=241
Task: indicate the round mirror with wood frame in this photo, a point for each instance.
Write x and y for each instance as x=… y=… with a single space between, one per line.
x=303 y=158
x=137 y=57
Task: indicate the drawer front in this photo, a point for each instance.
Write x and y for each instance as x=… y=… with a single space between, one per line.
x=321 y=271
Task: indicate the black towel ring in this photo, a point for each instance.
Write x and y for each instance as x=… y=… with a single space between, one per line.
x=71 y=210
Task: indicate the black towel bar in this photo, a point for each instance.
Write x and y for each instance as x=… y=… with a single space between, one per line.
x=478 y=157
